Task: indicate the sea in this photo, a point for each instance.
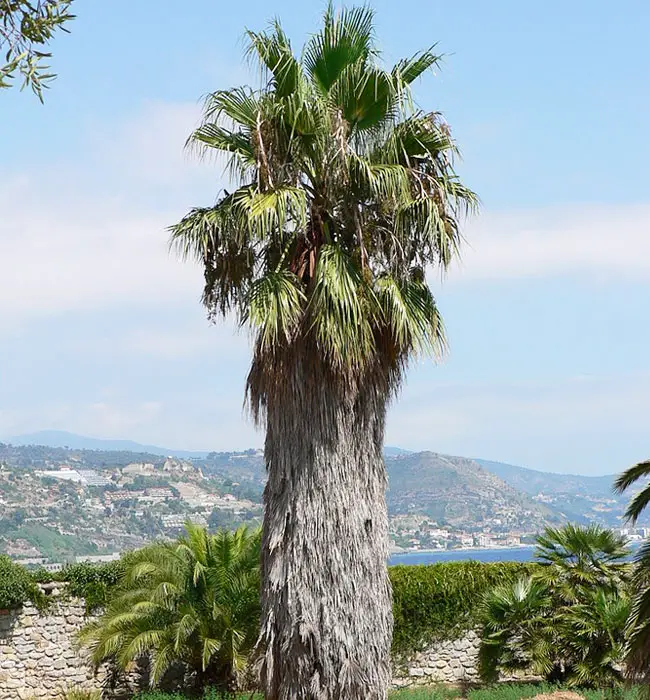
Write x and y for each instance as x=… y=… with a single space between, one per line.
x=486 y=555
x=437 y=556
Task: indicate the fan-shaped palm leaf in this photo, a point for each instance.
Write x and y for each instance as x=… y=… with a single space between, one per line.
x=194 y=602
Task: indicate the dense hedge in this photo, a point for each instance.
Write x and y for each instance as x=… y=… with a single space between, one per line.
x=431 y=602
x=16 y=585
x=92 y=582
x=440 y=601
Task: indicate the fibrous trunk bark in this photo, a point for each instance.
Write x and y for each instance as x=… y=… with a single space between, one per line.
x=326 y=598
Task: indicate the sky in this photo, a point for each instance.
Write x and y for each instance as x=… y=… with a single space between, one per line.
x=548 y=312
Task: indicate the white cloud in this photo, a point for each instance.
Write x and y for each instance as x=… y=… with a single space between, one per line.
x=587 y=240
x=603 y=419
x=92 y=233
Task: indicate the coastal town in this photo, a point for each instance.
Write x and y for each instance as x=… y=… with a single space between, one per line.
x=60 y=506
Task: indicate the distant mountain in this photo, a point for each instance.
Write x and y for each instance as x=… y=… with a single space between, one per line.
x=61 y=438
x=392 y=451
x=579 y=498
x=448 y=489
x=460 y=492
x=532 y=481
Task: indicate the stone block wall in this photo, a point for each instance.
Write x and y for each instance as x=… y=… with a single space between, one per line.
x=38 y=653
x=446 y=661
x=39 y=656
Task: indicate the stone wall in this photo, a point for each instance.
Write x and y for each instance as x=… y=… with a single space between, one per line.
x=38 y=654
x=39 y=657
x=446 y=661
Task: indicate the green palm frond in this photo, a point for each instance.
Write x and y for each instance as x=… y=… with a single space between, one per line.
x=411 y=315
x=339 y=322
x=346 y=37
x=631 y=476
x=274 y=308
x=167 y=611
x=273 y=51
x=410 y=69
x=238 y=106
x=641 y=500
x=344 y=189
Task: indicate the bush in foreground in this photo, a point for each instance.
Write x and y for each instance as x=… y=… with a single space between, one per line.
x=16 y=586
x=193 y=602
x=441 y=601
x=567 y=621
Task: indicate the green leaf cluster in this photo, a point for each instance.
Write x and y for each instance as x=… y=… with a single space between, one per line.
x=193 y=602
x=441 y=601
x=567 y=621
x=92 y=582
x=346 y=194
x=17 y=586
x=26 y=27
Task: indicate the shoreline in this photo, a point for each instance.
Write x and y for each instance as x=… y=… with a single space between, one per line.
x=401 y=552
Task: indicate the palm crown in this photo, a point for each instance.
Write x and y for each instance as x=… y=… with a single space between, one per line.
x=347 y=193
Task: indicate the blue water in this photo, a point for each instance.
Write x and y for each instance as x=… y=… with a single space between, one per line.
x=506 y=554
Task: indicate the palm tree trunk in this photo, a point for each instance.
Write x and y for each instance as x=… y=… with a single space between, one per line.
x=326 y=598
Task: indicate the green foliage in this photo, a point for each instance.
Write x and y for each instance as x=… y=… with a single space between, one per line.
x=26 y=27
x=443 y=600
x=80 y=694
x=439 y=692
x=637 y=656
x=193 y=601
x=48 y=541
x=501 y=691
x=93 y=582
x=16 y=586
x=347 y=193
x=628 y=478
x=576 y=558
x=567 y=620
x=519 y=691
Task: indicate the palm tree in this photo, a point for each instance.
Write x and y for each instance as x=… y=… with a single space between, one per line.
x=193 y=602
x=345 y=196
x=593 y=635
x=567 y=621
x=577 y=557
x=516 y=634
x=638 y=647
x=629 y=477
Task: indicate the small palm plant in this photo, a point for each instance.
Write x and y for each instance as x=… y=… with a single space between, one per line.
x=194 y=603
x=567 y=621
x=575 y=558
x=593 y=635
x=516 y=634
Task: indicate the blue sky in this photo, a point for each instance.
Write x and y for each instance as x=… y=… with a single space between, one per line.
x=101 y=331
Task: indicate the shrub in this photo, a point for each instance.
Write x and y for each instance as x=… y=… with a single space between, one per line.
x=193 y=602
x=80 y=694
x=92 y=582
x=442 y=600
x=567 y=621
x=17 y=586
